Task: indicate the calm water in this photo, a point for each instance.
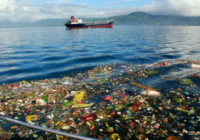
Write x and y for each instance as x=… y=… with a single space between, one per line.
x=52 y=52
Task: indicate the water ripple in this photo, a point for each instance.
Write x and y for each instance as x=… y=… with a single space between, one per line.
x=47 y=52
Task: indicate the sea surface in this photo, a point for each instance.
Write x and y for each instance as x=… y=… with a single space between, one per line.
x=106 y=63
x=53 y=52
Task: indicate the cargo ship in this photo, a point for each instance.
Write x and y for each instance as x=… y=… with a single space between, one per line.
x=78 y=23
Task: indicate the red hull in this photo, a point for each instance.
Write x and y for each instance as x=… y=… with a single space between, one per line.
x=98 y=26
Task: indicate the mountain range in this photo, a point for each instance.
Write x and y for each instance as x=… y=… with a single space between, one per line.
x=136 y=18
x=141 y=18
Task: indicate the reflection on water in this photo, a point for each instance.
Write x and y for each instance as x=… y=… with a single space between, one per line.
x=43 y=52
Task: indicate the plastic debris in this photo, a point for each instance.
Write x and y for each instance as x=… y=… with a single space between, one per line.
x=150 y=93
x=195 y=66
x=31 y=118
x=79 y=96
x=88 y=117
x=81 y=105
x=107 y=98
x=115 y=101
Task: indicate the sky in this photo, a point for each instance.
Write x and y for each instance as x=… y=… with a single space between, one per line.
x=34 y=10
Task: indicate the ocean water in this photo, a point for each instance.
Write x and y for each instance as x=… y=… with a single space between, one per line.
x=131 y=58
x=53 y=52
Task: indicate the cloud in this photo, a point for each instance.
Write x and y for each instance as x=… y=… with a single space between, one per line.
x=113 y=3
x=173 y=7
x=11 y=10
x=23 y=10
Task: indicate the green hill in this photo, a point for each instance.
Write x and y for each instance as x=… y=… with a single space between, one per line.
x=141 y=18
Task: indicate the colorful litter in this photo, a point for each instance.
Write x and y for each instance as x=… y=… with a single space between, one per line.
x=110 y=102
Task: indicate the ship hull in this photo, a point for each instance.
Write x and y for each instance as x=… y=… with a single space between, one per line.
x=91 y=25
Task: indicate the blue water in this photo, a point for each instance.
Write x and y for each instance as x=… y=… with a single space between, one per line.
x=53 y=52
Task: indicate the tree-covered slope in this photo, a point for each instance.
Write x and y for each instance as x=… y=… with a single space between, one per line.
x=140 y=18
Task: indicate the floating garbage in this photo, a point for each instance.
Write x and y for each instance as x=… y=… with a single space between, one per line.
x=109 y=102
x=78 y=96
x=107 y=98
x=31 y=118
x=195 y=66
x=186 y=81
x=81 y=105
x=150 y=93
